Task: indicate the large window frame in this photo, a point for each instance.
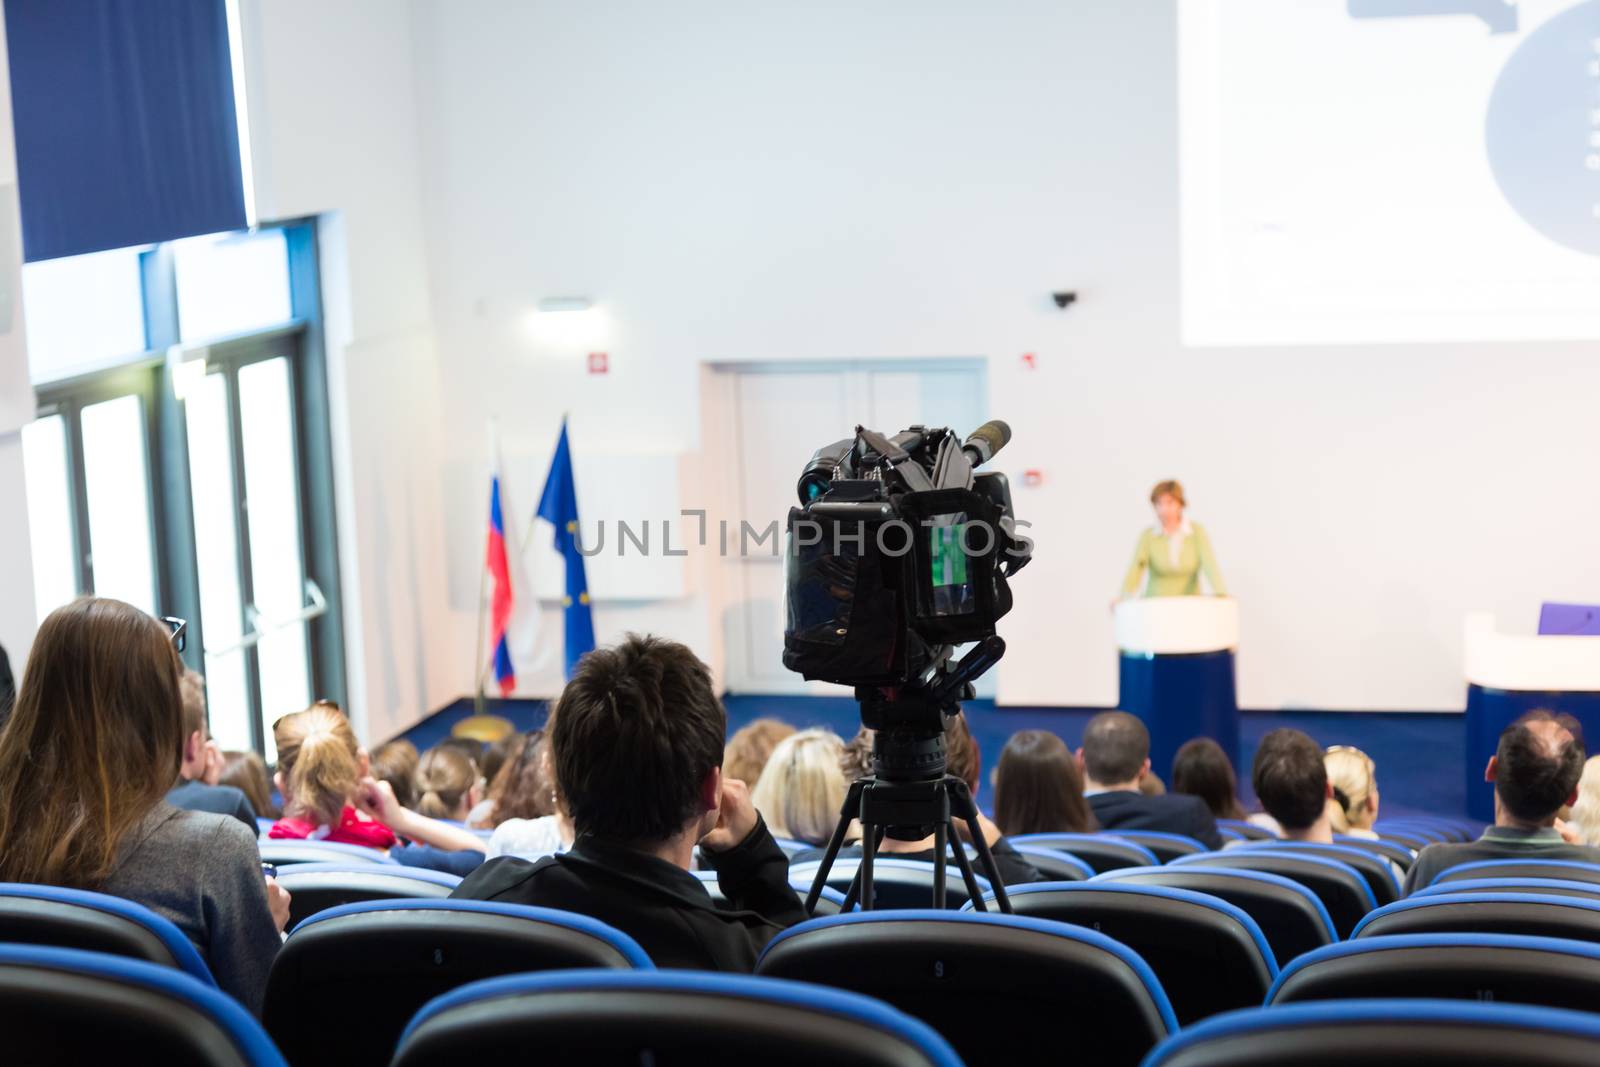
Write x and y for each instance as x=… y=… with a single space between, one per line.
x=170 y=506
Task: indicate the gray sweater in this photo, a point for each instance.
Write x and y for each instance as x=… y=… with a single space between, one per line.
x=203 y=872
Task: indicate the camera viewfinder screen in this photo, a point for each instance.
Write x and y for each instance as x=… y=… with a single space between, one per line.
x=952 y=589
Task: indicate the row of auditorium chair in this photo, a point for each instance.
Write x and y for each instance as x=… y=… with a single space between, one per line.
x=414 y=982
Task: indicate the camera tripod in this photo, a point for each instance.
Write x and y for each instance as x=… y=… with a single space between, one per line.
x=910 y=796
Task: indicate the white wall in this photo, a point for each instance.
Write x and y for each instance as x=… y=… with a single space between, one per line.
x=765 y=181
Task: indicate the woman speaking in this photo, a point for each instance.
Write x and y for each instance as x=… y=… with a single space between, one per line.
x=1175 y=551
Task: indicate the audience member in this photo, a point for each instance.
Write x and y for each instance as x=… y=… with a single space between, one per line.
x=1535 y=771
x=1202 y=769
x=94 y=743
x=8 y=688
x=962 y=759
x=1115 y=757
x=1151 y=785
x=448 y=784
x=497 y=754
x=329 y=795
x=482 y=815
x=1038 y=787
x=637 y=741
x=247 y=772
x=750 y=747
x=395 y=762
x=1354 y=805
x=469 y=747
x=802 y=788
x=530 y=821
x=1292 y=784
x=1585 y=822
x=192 y=792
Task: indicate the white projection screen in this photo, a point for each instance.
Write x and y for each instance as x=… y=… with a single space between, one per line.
x=1386 y=171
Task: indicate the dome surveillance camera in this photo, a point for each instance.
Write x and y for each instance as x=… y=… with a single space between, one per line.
x=1064 y=297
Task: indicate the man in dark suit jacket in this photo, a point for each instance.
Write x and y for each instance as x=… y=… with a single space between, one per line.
x=637 y=741
x=1115 y=757
x=193 y=792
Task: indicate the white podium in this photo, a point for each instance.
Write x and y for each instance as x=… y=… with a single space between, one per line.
x=1508 y=674
x=1176 y=671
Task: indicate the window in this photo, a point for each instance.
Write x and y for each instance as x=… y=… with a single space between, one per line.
x=216 y=506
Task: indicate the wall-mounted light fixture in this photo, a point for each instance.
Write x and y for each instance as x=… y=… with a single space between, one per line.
x=565 y=303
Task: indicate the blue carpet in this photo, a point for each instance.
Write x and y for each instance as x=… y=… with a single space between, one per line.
x=1418 y=755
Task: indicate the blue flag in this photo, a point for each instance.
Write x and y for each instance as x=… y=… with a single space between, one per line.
x=558 y=505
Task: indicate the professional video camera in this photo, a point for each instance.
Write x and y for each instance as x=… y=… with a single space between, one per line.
x=898 y=553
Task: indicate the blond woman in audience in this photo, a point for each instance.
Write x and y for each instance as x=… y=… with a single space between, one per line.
x=802 y=788
x=750 y=746
x=86 y=759
x=1353 y=808
x=1584 y=824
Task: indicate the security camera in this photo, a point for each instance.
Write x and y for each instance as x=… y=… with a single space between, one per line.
x=1063 y=298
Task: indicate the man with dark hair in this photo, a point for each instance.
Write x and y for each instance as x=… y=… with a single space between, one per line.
x=1291 y=781
x=636 y=741
x=1115 y=757
x=196 y=790
x=1535 y=772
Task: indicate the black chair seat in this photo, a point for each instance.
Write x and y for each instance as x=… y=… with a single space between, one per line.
x=1103 y=852
x=1342 y=889
x=315 y=887
x=1565 y=871
x=1380 y=877
x=1487 y=913
x=1401 y=856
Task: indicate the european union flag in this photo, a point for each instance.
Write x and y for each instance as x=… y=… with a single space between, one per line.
x=558 y=505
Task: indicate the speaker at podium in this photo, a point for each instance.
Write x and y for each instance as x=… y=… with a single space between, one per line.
x=1176 y=671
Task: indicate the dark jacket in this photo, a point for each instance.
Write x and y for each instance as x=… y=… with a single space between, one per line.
x=218 y=799
x=1014 y=868
x=1497 y=843
x=1172 y=813
x=659 y=905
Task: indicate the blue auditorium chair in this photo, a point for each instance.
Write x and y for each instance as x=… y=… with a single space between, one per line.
x=1001 y=988
x=1166 y=847
x=1292 y=918
x=665 y=1017
x=68 y=1006
x=1387 y=1033
x=315 y=887
x=1247 y=830
x=1380 y=876
x=1209 y=956
x=350 y=977
x=1410 y=834
x=283 y=853
x=828 y=903
x=1552 y=971
x=263 y=826
x=1550 y=886
x=1056 y=865
x=1566 y=870
x=792 y=848
x=97 y=922
x=1402 y=856
x=1103 y=852
x=1342 y=889
x=897 y=883
x=1487 y=913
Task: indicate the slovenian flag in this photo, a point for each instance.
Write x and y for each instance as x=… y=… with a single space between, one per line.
x=500 y=605
x=558 y=505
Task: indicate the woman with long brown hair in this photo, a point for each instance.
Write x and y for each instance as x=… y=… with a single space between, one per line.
x=1038 y=787
x=91 y=748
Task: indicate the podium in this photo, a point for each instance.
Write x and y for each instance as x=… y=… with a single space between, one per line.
x=1176 y=671
x=1509 y=674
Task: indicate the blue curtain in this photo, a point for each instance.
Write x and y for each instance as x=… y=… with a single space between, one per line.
x=125 y=126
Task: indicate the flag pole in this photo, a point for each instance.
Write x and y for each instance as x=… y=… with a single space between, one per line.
x=477 y=670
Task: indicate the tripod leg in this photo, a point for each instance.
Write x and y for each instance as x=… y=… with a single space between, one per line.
x=871 y=838
x=969 y=814
x=941 y=834
x=847 y=812
x=964 y=865
x=852 y=896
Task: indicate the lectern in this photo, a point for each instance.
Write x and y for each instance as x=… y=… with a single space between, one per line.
x=1508 y=674
x=1177 y=673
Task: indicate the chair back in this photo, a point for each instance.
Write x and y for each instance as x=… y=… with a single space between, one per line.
x=636 y=1017
x=1166 y=847
x=95 y=922
x=349 y=978
x=1529 y=914
x=1342 y=889
x=1209 y=955
x=896 y=883
x=283 y=853
x=998 y=987
x=1542 y=886
x=828 y=903
x=1379 y=875
x=1504 y=968
x=1247 y=830
x=1103 y=852
x=315 y=887
x=1393 y=851
x=1565 y=870
x=1055 y=865
x=1387 y=1032
x=68 y=1006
